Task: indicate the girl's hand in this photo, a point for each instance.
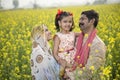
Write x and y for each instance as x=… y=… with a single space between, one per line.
x=58 y=60
x=63 y=62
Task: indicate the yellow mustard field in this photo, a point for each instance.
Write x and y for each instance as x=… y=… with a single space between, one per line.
x=15 y=42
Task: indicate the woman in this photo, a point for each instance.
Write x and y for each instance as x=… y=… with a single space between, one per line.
x=43 y=65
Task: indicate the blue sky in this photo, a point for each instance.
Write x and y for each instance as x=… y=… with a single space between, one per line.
x=7 y=4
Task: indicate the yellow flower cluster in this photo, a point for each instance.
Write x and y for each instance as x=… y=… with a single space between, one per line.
x=15 y=41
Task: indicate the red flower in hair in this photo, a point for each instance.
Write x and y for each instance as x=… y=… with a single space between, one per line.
x=59 y=11
x=71 y=14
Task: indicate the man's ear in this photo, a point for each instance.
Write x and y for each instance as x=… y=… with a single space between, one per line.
x=59 y=23
x=92 y=20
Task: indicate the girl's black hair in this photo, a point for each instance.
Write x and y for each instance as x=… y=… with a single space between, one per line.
x=59 y=17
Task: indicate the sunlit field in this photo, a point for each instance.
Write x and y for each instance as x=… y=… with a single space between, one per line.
x=15 y=42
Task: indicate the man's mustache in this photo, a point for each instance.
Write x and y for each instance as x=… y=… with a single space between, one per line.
x=81 y=24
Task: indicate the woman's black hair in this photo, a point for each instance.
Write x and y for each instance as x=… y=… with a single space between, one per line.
x=59 y=17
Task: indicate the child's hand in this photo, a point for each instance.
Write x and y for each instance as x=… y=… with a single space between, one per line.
x=63 y=62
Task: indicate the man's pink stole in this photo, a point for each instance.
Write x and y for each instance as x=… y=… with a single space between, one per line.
x=82 y=53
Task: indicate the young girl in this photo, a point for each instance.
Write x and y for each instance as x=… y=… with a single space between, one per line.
x=43 y=64
x=64 y=42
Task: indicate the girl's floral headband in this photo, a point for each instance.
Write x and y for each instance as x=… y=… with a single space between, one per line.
x=60 y=12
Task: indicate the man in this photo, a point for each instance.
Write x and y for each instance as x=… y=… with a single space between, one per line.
x=90 y=55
